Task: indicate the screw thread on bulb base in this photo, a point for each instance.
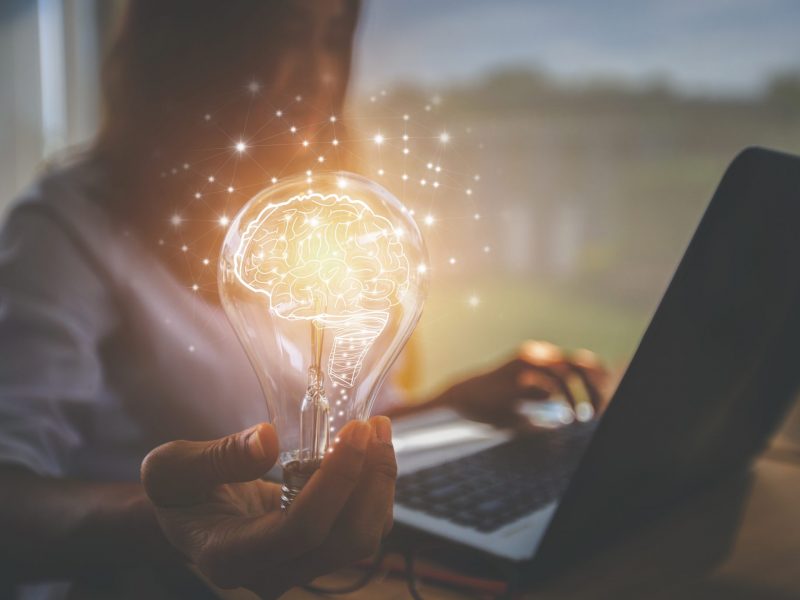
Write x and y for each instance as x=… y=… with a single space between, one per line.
x=295 y=476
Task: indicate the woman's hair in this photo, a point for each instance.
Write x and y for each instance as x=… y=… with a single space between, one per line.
x=172 y=60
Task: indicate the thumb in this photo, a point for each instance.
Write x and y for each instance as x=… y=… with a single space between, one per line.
x=181 y=472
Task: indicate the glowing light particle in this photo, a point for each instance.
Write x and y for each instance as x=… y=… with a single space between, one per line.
x=241 y=146
x=176 y=220
x=378 y=139
x=452 y=260
x=380 y=171
x=305 y=143
x=210 y=179
x=429 y=220
x=230 y=189
x=223 y=220
x=195 y=287
x=332 y=119
x=206 y=262
x=335 y=142
x=474 y=301
x=477 y=216
x=444 y=137
x=293 y=129
x=487 y=249
x=278 y=113
x=198 y=195
x=423 y=268
x=184 y=248
x=274 y=180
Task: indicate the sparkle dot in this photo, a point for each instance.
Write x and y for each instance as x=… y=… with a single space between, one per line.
x=184 y=248
x=405 y=150
x=293 y=129
x=476 y=216
x=452 y=261
x=207 y=117
x=341 y=182
x=444 y=137
x=241 y=147
x=191 y=348
x=429 y=220
x=422 y=268
x=206 y=261
x=320 y=159
x=278 y=113
x=198 y=195
x=477 y=177
x=487 y=249
x=429 y=165
x=185 y=166
x=195 y=287
x=175 y=220
x=378 y=139
x=423 y=182
x=469 y=192
x=298 y=98
x=405 y=137
x=404 y=177
x=333 y=119
x=274 y=180
x=223 y=220
x=406 y=117
x=210 y=179
x=305 y=143
x=335 y=142
x=474 y=301
x=253 y=87
x=380 y=171
x=230 y=189
x=436 y=184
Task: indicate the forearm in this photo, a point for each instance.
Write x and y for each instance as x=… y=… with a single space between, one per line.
x=56 y=528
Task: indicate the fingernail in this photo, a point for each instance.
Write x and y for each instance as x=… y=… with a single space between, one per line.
x=383 y=429
x=254 y=444
x=361 y=435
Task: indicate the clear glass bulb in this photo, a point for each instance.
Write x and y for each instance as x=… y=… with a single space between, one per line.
x=323 y=279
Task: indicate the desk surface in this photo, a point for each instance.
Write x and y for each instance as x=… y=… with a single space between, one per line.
x=739 y=540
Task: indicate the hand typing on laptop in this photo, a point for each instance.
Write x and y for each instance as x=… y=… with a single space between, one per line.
x=538 y=371
x=215 y=509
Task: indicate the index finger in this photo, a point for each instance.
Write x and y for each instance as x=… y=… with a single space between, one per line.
x=314 y=511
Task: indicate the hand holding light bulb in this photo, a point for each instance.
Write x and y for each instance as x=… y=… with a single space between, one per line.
x=213 y=506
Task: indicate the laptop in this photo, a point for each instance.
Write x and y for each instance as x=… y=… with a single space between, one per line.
x=713 y=375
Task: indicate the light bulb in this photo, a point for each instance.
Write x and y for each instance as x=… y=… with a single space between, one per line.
x=323 y=283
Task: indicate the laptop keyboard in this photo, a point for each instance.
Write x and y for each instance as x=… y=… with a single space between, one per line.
x=496 y=486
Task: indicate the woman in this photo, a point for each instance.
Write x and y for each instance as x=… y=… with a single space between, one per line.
x=112 y=341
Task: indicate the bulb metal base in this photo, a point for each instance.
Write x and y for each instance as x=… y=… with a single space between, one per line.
x=295 y=476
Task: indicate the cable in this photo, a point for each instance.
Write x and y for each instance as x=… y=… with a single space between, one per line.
x=411 y=579
x=362 y=581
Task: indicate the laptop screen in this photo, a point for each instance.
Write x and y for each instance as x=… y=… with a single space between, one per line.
x=714 y=372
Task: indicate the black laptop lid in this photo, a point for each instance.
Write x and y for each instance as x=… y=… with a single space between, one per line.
x=714 y=372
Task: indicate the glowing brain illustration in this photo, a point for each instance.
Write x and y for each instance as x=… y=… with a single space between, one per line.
x=327 y=258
